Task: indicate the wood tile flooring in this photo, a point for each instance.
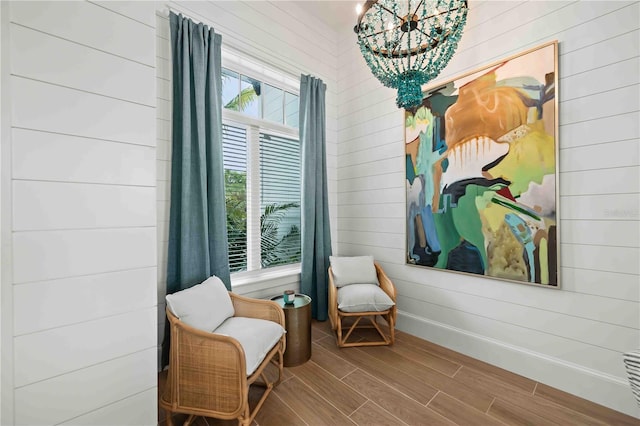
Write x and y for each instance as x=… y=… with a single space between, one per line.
x=413 y=382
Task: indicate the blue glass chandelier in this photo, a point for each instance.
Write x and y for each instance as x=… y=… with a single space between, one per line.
x=407 y=43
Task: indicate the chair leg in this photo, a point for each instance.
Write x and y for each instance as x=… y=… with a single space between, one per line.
x=353 y=327
x=169 y=418
x=386 y=339
x=245 y=419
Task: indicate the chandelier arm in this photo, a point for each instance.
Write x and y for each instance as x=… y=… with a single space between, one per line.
x=428 y=35
x=381 y=32
x=399 y=45
x=418 y=7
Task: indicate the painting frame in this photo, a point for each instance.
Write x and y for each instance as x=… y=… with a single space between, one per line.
x=484 y=149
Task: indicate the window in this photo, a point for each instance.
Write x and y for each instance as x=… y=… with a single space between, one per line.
x=254 y=98
x=262 y=173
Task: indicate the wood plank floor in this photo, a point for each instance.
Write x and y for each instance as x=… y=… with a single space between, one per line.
x=413 y=382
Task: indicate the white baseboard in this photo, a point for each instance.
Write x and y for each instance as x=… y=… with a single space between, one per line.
x=601 y=388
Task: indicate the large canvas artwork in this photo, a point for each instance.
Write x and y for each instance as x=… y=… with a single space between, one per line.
x=481 y=174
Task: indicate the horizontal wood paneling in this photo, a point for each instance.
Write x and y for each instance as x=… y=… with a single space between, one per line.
x=89 y=25
x=70 y=253
x=604 y=233
x=611 y=310
x=391 y=180
x=81 y=345
x=598 y=55
x=36 y=106
x=73 y=300
x=608 y=258
x=139 y=409
x=603 y=360
x=74 y=205
x=365 y=197
x=141 y=11
x=613 y=128
x=80 y=159
x=606 y=284
x=601 y=207
x=599 y=80
x=605 y=155
x=67 y=396
x=39 y=56
x=619 y=180
x=590 y=331
x=82 y=245
x=366 y=225
x=619 y=101
x=379 y=209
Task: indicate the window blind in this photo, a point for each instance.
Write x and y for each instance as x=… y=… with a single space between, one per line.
x=234 y=147
x=279 y=200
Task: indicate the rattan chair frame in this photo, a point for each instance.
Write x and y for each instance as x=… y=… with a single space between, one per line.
x=336 y=316
x=207 y=372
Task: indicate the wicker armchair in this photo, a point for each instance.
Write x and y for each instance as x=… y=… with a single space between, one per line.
x=338 y=316
x=208 y=373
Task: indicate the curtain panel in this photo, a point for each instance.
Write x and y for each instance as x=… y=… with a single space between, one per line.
x=198 y=222
x=316 y=236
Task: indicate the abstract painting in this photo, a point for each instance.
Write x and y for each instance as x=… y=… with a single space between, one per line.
x=481 y=173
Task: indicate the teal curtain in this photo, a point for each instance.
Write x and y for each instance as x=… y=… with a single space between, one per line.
x=198 y=221
x=316 y=236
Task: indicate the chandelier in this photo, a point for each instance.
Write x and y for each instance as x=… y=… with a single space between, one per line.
x=407 y=43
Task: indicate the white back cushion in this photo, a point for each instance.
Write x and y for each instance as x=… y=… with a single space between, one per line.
x=204 y=306
x=256 y=336
x=353 y=270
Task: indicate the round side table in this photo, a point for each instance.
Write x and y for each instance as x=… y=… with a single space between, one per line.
x=297 y=318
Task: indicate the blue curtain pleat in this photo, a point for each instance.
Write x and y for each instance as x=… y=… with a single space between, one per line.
x=198 y=245
x=316 y=236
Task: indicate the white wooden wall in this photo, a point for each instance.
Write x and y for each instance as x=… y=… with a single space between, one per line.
x=573 y=338
x=78 y=214
x=285 y=38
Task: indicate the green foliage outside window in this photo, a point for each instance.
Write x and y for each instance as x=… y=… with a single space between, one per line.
x=275 y=249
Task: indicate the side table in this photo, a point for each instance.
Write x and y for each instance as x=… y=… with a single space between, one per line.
x=297 y=318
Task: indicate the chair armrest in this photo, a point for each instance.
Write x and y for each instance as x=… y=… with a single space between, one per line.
x=385 y=283
x=257 y=308
x=333 y=300
x=218 y=362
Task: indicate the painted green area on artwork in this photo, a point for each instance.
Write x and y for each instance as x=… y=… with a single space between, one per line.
x=530 y=158
x=447 y=235
x=467 y=219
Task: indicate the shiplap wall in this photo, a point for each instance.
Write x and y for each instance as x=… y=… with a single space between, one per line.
x=573 y=338
x=285 y=38
x=79 y=182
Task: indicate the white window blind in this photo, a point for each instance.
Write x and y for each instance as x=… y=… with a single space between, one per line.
x=279 y=200
x=234 y=146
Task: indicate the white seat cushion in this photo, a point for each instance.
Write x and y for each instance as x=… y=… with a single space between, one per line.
x=353 y=270
x=256 y=336
x=204 y=306
x=363 y=298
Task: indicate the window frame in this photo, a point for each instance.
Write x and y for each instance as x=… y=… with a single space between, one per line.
x=255 y=274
